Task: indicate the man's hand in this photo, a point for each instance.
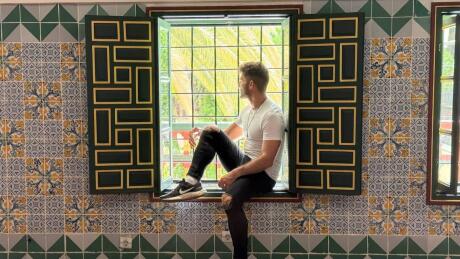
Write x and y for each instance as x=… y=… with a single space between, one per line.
x=196 y=132
x=227 y=180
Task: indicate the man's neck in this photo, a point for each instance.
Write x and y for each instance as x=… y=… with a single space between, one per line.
x=257 y=100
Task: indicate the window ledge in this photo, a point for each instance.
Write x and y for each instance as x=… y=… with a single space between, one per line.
x=214 y=195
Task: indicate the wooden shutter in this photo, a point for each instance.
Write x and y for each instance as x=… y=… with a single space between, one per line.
x=122 y=111
x=326 y=107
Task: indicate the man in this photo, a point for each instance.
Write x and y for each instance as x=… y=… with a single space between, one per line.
x=253 y=171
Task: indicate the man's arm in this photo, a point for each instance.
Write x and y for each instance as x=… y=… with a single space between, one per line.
x=264 y=161
x=233 y=131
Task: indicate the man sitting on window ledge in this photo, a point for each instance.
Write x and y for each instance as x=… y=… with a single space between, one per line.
x=250 y=172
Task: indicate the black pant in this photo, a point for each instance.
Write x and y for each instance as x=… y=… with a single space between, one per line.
x=211 y=143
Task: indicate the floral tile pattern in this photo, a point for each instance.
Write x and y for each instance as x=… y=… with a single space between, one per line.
x=44 y=177
x=43 y=100
x=75 y=138
x=12 y=138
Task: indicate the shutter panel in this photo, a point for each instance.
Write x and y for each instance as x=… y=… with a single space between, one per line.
x=121 y=105
x=326 y=79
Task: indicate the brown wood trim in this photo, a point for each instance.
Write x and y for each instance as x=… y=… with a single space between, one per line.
x=298 y=198
x=432 y=78
x=232 y=8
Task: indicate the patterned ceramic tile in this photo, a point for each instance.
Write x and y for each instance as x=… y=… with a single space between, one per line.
x=12 y=138
x=44 y=177
x=75 y=138
x=43 y=100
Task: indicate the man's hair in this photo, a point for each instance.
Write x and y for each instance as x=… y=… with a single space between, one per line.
x=257 y=72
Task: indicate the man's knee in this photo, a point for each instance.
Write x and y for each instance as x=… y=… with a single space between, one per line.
x=211 y=128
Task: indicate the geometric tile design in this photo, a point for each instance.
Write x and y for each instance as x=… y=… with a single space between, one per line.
x=64 y=22
x=294 y=246
x=62 y=220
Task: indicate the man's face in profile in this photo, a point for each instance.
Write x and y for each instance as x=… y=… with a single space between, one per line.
x=243 y=84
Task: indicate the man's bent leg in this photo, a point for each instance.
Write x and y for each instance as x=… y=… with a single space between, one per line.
x=210 y=143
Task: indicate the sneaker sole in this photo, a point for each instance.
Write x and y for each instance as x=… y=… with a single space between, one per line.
x=187 y=196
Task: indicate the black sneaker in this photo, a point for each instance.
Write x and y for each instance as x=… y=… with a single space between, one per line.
x=184 y=191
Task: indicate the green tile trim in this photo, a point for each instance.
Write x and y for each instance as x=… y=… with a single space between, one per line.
x=442 y=248
x=414 y=248
x=13 y=16
x=96 y=246
x=454 y=248
x=367 y=9
x=378 y=10
x=283 y=246
x=139 y=11
x=361 y=247
x=16 y=255
x=37 y=255
x=8 y=28
x=54 y=255
x=397 y=23
x=295 y=247
x=203 y=255
x=149 y=255
x=101 y=11
x=284 y=256
x=70 y=246
x=146 y=246
x=91 y=255
x=52 y=16
x=353 y=256
x=331 y=7
x=261 y=256
x=208 y=246
x=166 y=256
x=46 y=28
x=33 y=28
x=26 y=16
x=182 y=246
x=58 y=246
x=401 y=248
x=384 y=23
x=322 y=247
x=406 y=10
x=339 y=256
x=257 y=246
x=92 y=11
x=373 y=247
x=21 y=245
x=224 y=255
x=170 y=245
x=187 y=255
x=424 y=22
x=128 y=255
x=219 y=246
x=71 y=28
x=131 y=11
x=108 y=246
x=33 y=246
x=420 y=9
x=65 y=16
x=114 y=255
x=334 y=247
x=75 y=255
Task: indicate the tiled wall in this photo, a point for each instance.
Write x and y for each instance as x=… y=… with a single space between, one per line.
x=45 y=209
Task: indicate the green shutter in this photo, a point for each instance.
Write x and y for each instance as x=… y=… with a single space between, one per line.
x=326 y=107
x=122 y=111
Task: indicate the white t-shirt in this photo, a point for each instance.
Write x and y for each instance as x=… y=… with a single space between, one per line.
x=263 y=123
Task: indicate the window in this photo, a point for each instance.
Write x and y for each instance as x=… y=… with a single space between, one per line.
x=205 y=57
x=444 y=92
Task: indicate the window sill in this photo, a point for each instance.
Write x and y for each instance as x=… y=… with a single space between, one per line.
x=214 y=195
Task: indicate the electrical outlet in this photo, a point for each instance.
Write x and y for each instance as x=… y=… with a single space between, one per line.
x=126 y=242
x=226 y=237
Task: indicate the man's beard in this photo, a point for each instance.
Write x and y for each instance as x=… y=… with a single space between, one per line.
x=243 y=93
